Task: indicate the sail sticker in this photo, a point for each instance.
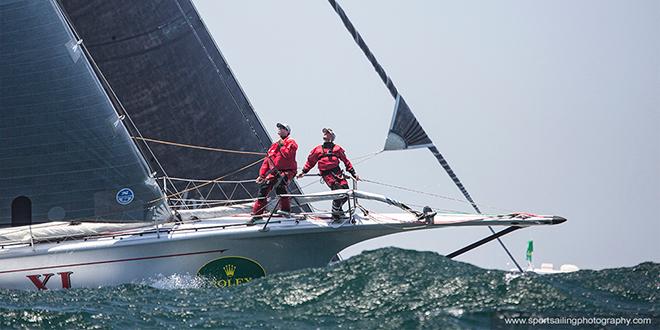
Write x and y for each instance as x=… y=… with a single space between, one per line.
x=231 y=271
x=125 y=196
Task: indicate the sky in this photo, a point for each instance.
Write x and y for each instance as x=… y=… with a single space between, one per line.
x=548 y=107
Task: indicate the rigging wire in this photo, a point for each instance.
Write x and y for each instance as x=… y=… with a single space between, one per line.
x=364 y=158
x=369 y=155
x=431 y=194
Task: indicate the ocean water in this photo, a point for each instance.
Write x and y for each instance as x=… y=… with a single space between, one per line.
x=386 y=288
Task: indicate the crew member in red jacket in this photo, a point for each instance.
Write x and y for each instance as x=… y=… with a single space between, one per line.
x=278 y=168
x=328 y=155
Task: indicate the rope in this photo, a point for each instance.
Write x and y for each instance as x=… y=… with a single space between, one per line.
x=371 y=154
x=364 y=158
x=199 y=147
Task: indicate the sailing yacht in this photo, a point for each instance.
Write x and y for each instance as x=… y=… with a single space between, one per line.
x=100 y=178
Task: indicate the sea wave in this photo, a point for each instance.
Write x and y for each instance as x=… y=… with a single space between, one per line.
x=385 y=288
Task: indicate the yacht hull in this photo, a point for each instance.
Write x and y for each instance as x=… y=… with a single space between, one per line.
x=225 y=250
x=185 y=250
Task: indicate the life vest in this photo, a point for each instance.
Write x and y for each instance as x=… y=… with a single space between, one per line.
x=328 y=156
x=280 y=159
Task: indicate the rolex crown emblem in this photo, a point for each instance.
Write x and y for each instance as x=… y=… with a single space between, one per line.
x=229 y=270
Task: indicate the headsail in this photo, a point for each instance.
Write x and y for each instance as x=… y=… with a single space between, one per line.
x=64 y=151
x=405 y=131
x=176 y=86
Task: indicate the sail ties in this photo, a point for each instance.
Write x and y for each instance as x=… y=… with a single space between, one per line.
x=183 y=145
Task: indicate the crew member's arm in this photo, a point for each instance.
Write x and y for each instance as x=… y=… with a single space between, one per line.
x=341 y=154
x=311 y=162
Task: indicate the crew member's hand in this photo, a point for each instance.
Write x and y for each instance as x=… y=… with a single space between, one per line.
x=259 y=180
x=357 y=177
x=300 y=175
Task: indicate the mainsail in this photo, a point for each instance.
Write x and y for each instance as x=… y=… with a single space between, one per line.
x=64 y=151
x=176 y=86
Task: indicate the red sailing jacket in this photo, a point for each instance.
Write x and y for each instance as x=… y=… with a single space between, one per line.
x=281 y=158
x=328 y=158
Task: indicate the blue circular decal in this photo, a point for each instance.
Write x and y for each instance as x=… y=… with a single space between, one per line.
x=125 y=196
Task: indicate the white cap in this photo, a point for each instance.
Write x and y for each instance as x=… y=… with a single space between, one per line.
x=329 y=130
x=285 y=126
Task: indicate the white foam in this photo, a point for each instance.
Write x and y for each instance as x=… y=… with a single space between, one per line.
x=175 y=281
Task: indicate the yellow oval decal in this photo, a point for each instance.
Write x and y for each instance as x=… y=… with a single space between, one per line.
x=231 y=271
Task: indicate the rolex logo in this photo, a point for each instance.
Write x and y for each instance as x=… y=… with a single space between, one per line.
x=229 y=270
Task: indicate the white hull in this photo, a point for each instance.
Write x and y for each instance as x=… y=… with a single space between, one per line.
x=186 y=248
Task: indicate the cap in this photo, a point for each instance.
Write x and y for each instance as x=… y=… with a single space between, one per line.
x=329 y=130
x=285 y=126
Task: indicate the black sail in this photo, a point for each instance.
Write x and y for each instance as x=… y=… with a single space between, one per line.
x=176 y=86
x=405 y=131
x=64 y=151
